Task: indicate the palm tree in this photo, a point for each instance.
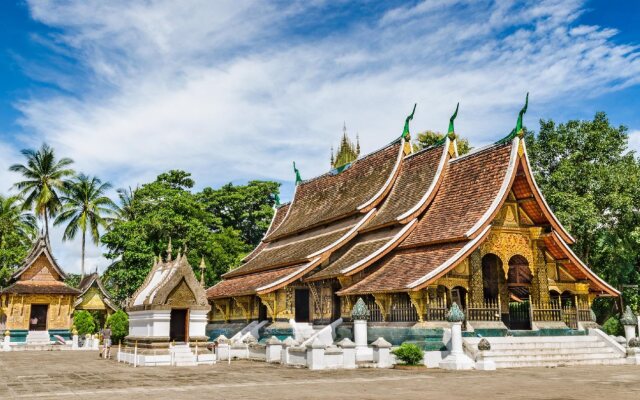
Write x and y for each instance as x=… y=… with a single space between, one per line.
x=15 y=221
x=124 y=211
x=44 y=177
x=85 y=206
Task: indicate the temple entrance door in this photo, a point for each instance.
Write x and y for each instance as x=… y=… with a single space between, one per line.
x=337 y=307
x=38 y=317
x=262 y=312
x=519 y=284
x=302 y=305
x=179 y=325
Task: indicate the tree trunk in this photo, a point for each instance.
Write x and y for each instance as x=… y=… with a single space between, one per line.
x=46 y=225
x=82 y=262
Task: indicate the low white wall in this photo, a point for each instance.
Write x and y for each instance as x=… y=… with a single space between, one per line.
x=150 y=323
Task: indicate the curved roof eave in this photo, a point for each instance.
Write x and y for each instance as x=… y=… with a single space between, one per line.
x=555 y=223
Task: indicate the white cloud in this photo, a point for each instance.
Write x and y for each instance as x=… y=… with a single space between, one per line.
x=226 y=91
x=634 y=141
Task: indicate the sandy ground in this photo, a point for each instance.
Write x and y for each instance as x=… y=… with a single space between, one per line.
x=71 y=375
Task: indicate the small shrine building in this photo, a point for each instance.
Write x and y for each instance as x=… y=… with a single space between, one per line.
x=170 y=306
x=95 y=297
x=37 y=301
x=411 y=233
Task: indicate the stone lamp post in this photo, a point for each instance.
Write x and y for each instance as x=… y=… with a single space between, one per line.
x=360 y=314
x=456 y=360
x=629 y=320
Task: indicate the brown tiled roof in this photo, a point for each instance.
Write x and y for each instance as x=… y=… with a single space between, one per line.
x=247 y=284
x=279 y=254
x=277 y=219
x=357 y=252
x=397 y=271
x=470 y=185
x=31 y=288
x=333 y=196
x=40 y=246
x=416 y=175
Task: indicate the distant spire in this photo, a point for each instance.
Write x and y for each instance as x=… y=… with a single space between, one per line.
x=332 y=159
x=347 y=152
x=169 y=249
x=451 y=130
x=202 y=268
x=358 y=143
x=297 y=172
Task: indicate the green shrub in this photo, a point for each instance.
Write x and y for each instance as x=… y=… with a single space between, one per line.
x=84 y=323
x=612 y=326
x=119 y=324
x=409 y=354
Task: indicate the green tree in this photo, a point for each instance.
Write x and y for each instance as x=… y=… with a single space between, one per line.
x=592 y=182
x=247 y=208
x=124 y=210
x=17 y=231
x=167 y=209
x=118 y=322
x=85 y=206
x=429 y=138
x=44 y=178
x=84 y=323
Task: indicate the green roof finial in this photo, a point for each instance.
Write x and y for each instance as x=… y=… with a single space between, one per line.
x=451 y=130
x=298 y=178
x=521 y=114
x=276 y=199
x=518 y=129
x=405 y=132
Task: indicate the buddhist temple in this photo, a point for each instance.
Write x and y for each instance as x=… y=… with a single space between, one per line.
x=95 y=297
x=38 y=304
x=170 y=306
x=412 y=233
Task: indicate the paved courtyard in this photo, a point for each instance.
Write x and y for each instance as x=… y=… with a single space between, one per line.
x=64 y=375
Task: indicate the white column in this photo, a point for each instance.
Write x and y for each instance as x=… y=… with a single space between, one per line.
x=315 y=354
x=348 y=353
x=381 y=353
x=456 y=360
x=74 y=341
x=629 y=332
x=6 y=344
x=273 y=350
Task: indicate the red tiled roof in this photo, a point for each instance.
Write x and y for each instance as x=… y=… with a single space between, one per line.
x=399 y=270
x=247 y=284
x=330 y=197
x=470 y=186
x=294 y=250
x=417 y=174
x=21 y=287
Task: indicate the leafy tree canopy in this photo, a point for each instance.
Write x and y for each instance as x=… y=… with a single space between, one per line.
x=209 y=224
x=592 y=182
x=17 y=230
x=429 y=138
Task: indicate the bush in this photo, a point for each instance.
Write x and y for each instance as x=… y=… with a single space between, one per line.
x=612 y=326
x=84 y=323
x=118 y=322
x=409 y=354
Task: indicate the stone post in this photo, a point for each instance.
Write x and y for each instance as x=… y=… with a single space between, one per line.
x=629 y=320
x=348 y=353
x=286 y=344
x=74 y=339
x=87 y=341
x=315 y=354
x=95 y=342
x=381 y=353
x=360 y=314
x=6 y=344
x=456 y=360
x=273 y=350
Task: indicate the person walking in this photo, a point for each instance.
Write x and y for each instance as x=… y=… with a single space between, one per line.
x=106 y=343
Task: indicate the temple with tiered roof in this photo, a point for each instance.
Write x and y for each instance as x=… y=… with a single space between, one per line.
x=412 y=233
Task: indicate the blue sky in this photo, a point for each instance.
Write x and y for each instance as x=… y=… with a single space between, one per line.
x=232 y=91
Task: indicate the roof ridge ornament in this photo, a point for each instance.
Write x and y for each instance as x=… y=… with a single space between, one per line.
x=451 y=130
x=169 y=249
x=406 y=135
x=297 y=172
x=518 y=130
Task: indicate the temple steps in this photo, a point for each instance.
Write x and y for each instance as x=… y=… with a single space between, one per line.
x=38 y=338
x=545 y=351
x=182 y=355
